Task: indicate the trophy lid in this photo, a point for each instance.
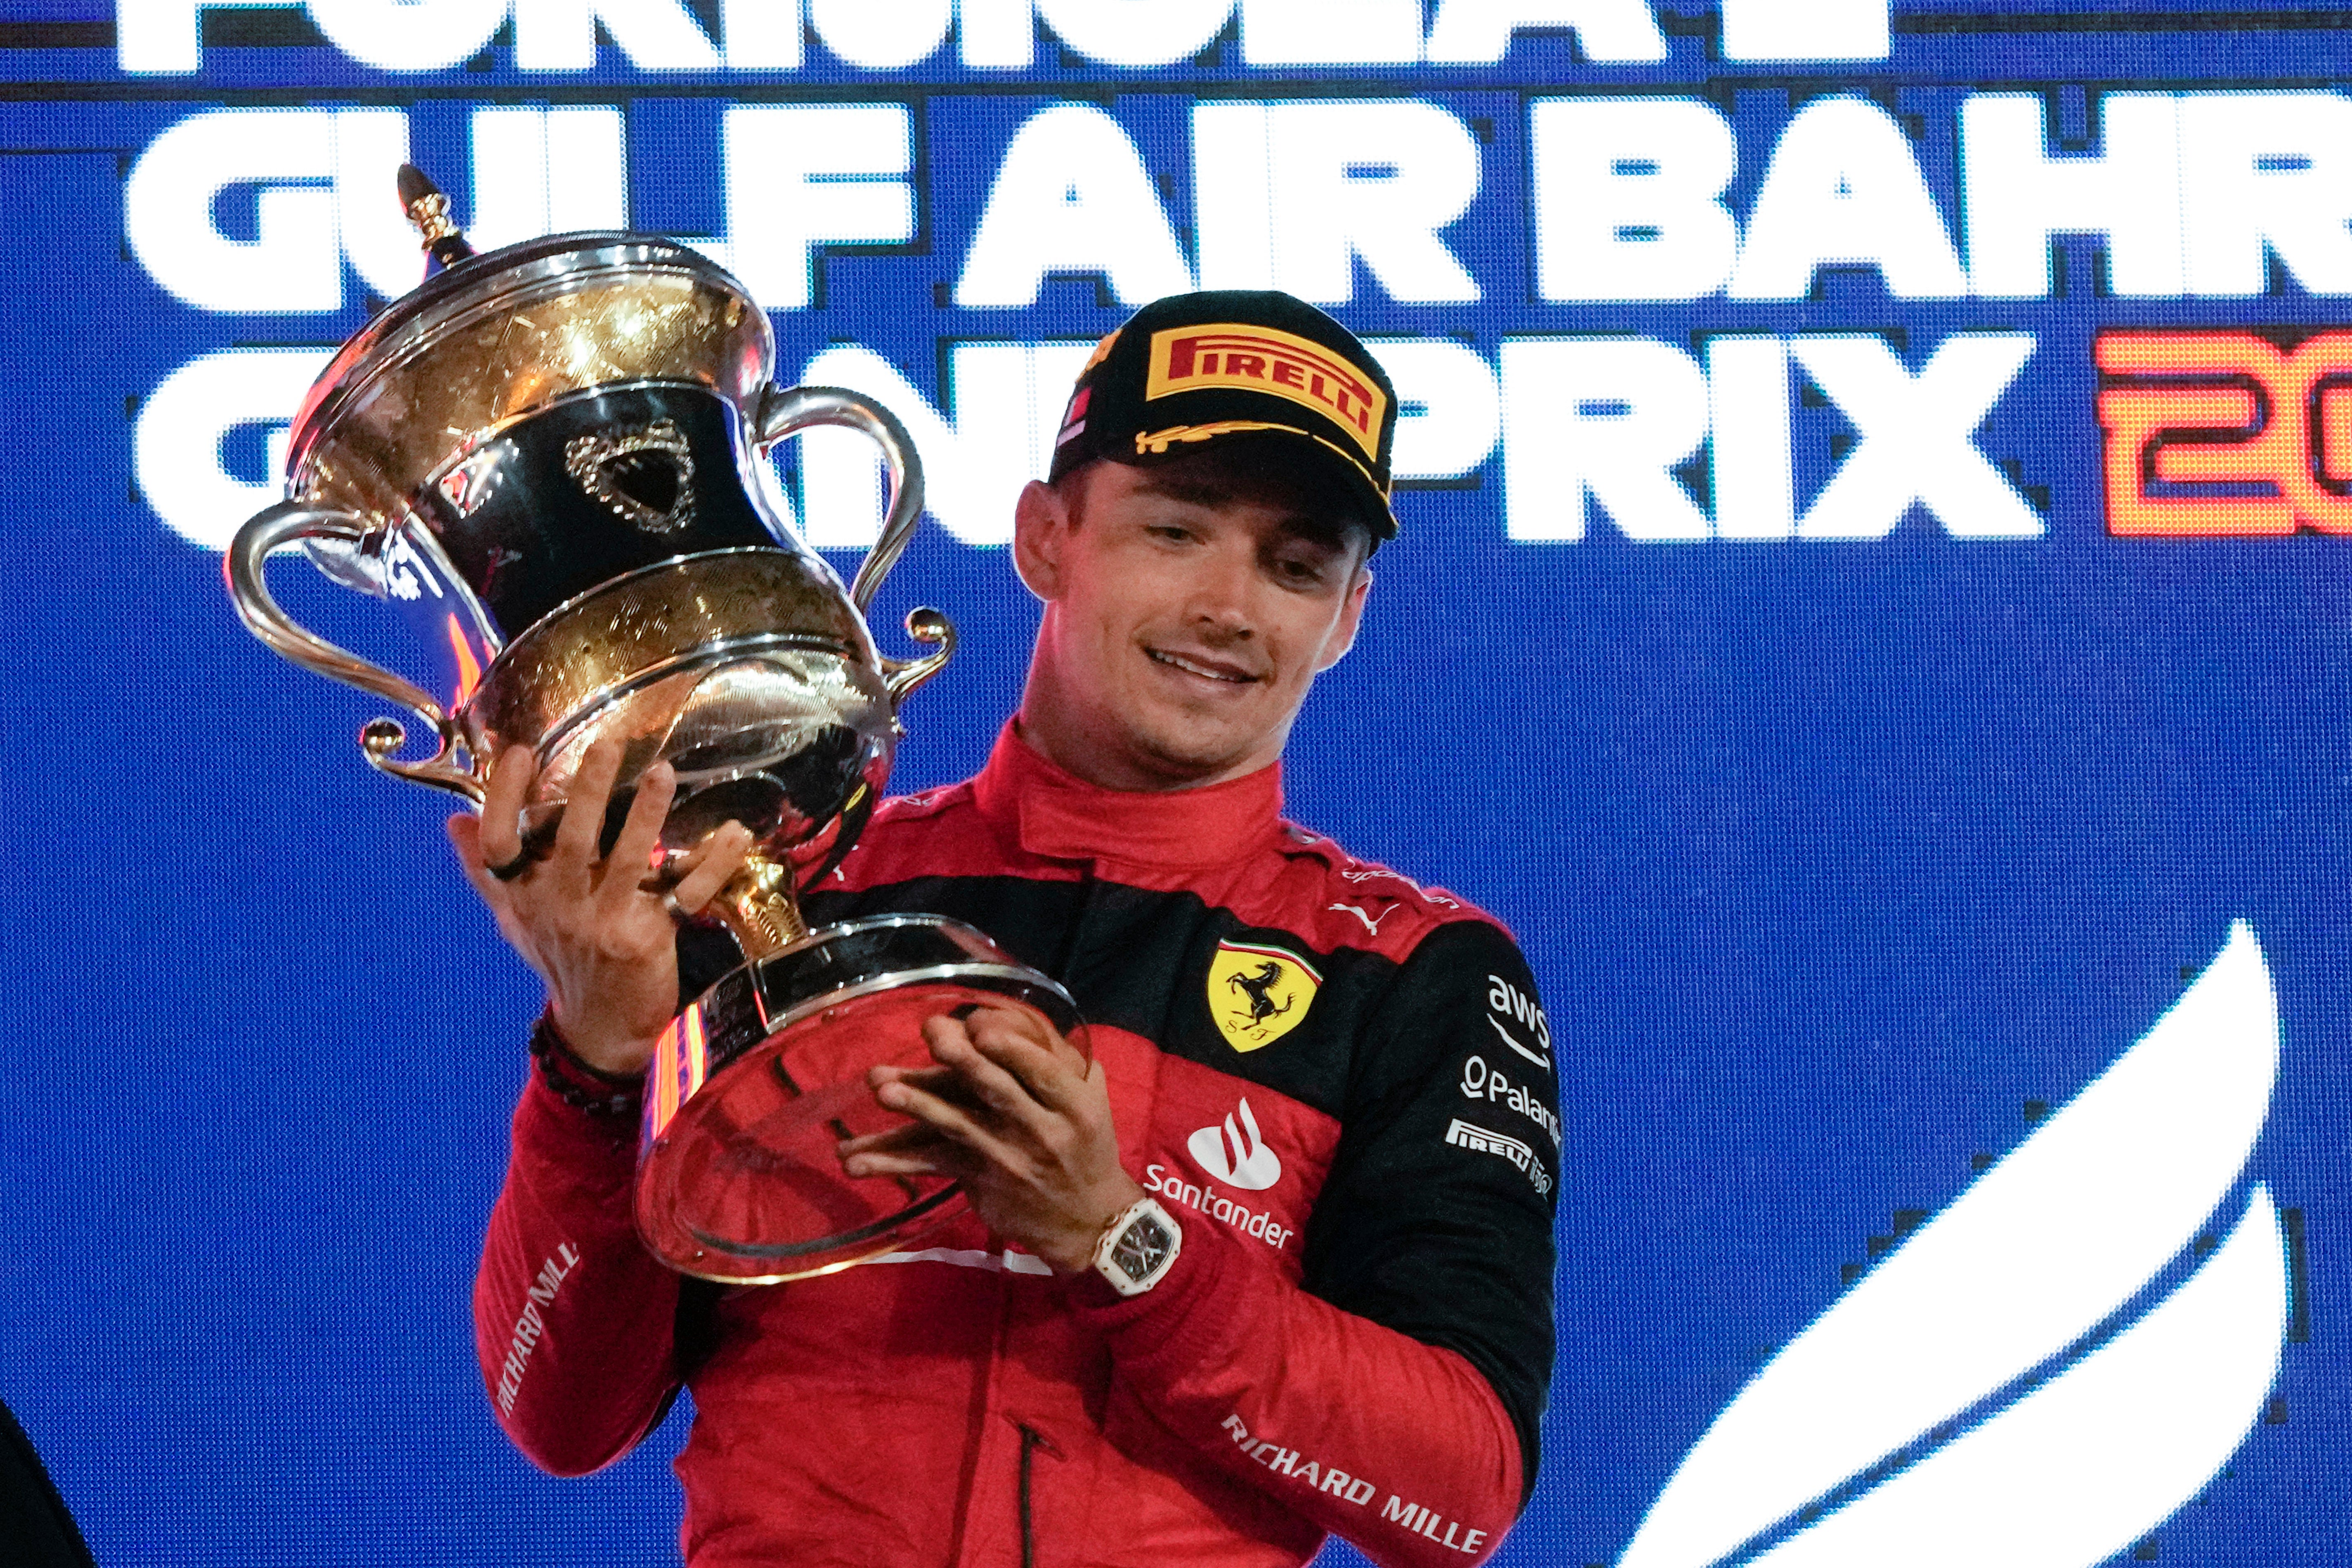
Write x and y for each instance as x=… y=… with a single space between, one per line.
x=502 y=335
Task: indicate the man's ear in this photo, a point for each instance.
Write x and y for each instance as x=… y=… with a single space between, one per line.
x=1351 y=616
x=1041 y=522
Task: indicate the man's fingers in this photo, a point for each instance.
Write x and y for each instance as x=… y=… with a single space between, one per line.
x=907 y=1138
x=913 y=1150
x=1018 y=1046
x=999 y=1087
x=640 y=831
x=716 y=858
x=947 y=1160
x=676 y=863
x=950 y=1120
x=936 y=1080
x=510 y=776
x=583 y=813
x=945 y=1082
x=1020 y=1025
x=464 y=831
x=465 y=838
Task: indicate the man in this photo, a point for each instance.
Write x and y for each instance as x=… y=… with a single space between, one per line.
x=1276 y=1260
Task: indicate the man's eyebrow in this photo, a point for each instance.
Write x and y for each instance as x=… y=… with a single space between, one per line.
x=1321 y=532
x=1209 y=494
x=1191 y=492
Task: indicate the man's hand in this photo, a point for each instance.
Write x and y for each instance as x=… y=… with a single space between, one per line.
x=1015 y=1113
x=606 y=944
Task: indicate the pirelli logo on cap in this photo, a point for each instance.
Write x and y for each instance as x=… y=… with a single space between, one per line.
x=1259 y=359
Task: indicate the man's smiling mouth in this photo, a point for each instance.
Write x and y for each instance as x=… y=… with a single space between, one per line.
x=1209 y=672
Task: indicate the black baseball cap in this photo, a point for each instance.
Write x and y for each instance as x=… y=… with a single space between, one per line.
x=1232 y=366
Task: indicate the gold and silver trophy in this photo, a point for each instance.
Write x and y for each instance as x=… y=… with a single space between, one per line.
x=552 y=458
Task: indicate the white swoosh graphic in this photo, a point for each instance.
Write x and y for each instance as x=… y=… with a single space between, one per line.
x=1236 y=1156
x=2032 y=1256
x=1007 y=1261
x=1541 y=1061
x=2092 y=1460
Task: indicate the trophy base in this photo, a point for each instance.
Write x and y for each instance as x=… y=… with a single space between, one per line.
x=756 y=1083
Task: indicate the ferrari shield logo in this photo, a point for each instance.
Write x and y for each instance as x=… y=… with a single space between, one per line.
x=1258 y=992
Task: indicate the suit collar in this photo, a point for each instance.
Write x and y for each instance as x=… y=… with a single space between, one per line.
x=1055 y=814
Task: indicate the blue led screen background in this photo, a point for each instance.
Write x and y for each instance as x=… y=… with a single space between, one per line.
x=1865 y=761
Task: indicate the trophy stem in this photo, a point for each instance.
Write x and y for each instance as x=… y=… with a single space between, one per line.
x=758 y=909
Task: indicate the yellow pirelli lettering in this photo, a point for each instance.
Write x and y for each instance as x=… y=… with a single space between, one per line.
x=1191 y=359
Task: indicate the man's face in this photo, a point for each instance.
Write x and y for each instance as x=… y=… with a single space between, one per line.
x=1185 y=618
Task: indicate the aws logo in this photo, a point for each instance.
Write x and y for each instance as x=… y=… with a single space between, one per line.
x=1508 y=1002
x=1259 y=992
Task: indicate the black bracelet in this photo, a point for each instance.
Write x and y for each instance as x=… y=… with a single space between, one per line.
x=621 y=1096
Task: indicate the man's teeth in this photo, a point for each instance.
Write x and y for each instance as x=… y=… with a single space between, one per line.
x=1187 y=665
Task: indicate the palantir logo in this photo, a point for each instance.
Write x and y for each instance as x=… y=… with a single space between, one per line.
x=1841 y=1453
x=1236 y=1156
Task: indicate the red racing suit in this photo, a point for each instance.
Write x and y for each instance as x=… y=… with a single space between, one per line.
x=1339 y=1083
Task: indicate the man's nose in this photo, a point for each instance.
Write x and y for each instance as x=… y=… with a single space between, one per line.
x=1222 y=595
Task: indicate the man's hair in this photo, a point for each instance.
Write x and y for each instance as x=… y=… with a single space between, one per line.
x=1264 y=472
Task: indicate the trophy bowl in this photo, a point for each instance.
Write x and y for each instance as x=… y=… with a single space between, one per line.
x=551 y=458
x=769 y=1068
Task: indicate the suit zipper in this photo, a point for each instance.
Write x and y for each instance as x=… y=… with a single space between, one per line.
x=1031 y=1441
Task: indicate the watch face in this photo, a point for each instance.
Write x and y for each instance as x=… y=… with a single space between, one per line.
x=1141 y=1247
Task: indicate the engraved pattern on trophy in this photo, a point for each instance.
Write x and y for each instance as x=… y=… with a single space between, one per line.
x=646 y=477
x=538 y=456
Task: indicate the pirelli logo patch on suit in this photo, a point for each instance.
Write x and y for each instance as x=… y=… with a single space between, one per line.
x=1261 y=359
x=1485 y=1140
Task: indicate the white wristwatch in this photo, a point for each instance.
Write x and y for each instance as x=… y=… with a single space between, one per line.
x=1137 y=1248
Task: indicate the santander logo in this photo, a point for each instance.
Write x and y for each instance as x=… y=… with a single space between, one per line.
x=1236 y=1156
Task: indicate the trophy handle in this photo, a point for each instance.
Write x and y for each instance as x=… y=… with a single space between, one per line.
x=786 y=410
x=248 y=589
x=900 y=675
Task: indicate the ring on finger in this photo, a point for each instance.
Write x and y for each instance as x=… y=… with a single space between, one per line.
x=672 y=908
x=507 y=870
